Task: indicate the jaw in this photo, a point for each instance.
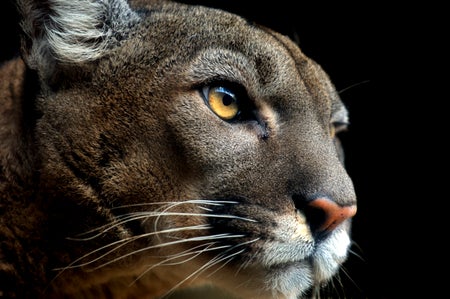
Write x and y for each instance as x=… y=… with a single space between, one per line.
x=281 y=261
x=273 y=270
x=282 y=278
x=286 y=262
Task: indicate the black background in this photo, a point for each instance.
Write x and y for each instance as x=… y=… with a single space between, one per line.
x=373 y=54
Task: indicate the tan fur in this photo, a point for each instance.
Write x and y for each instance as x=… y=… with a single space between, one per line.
x=118 y=180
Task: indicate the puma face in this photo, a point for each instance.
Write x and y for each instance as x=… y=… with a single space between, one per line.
x=179 y=145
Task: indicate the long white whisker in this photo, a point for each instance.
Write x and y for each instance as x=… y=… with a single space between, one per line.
x=353 y=85
x=123 y=219
x=132 y=216
x=105 y=228
x=205 y=209
x=191 y=251
x=206 y=266
x=208 y=248
x=192 y=201
x=344 y=270
x=354 y=244
x=246 y=263
x=101 y=257
x=175 y=204
x=193 y=239
x=221 y=258
x=230 y=258
x=146 y=215
x=236 y=246
x=127 y=241
x=214 y=261
x=139 y=215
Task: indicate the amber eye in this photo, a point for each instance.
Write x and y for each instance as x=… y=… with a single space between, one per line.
x=222 y=101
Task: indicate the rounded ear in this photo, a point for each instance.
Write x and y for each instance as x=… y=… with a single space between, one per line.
x=59 y=32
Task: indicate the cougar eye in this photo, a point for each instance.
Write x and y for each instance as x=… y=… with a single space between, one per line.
x=222 y=101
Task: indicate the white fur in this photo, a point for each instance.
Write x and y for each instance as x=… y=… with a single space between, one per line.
x=79 y=31
x=331 y=254
x=288 y=256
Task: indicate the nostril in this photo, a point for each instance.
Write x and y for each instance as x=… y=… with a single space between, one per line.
x=333 y=214
x=323 y=214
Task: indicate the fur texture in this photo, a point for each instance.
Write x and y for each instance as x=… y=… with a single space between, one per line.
x=150 y=146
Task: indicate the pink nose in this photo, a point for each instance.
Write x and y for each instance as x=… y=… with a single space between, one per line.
x=333 y=214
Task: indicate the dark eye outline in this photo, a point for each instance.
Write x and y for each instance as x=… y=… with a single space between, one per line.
x=246 y=109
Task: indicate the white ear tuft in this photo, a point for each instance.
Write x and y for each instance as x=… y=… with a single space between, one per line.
x=73 y=31
x=76 y=32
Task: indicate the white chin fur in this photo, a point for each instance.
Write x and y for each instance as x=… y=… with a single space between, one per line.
x=330 y=255
x=294 y=265
x=290 y=281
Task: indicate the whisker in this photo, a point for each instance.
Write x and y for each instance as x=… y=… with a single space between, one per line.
x=191 y=201
x=174 y=204
x=243 y=265
x=224 y=264
x=228 y=258
x=356 y=254
x=343 y=270
x=332 y=287
x=353 y=85
x=205 y=215
x=188 y=252
x=133 y=216
x=144 y=215
x=107 y=227
x=193 y=239
x=127 y=241
x=205 y=209
x=164 y=210
x=203 y=268
x=124 y=218
x=316 y=292
x=199 y=251
x=214 y=261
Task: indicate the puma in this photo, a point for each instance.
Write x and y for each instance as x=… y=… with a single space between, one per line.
x=151 y=146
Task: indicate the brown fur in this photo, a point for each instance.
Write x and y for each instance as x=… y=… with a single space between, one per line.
x=106 y=143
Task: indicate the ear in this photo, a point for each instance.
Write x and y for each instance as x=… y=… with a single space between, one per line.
x=71 y=31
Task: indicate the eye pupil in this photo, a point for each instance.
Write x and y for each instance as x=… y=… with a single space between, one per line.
x=227 y=100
